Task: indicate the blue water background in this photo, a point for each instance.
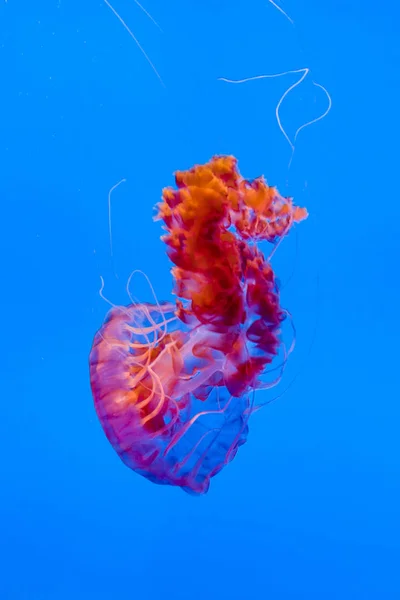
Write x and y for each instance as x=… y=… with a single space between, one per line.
x=309 y=509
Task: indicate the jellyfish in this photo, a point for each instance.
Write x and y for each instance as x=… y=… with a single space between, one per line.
x=175 y=383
